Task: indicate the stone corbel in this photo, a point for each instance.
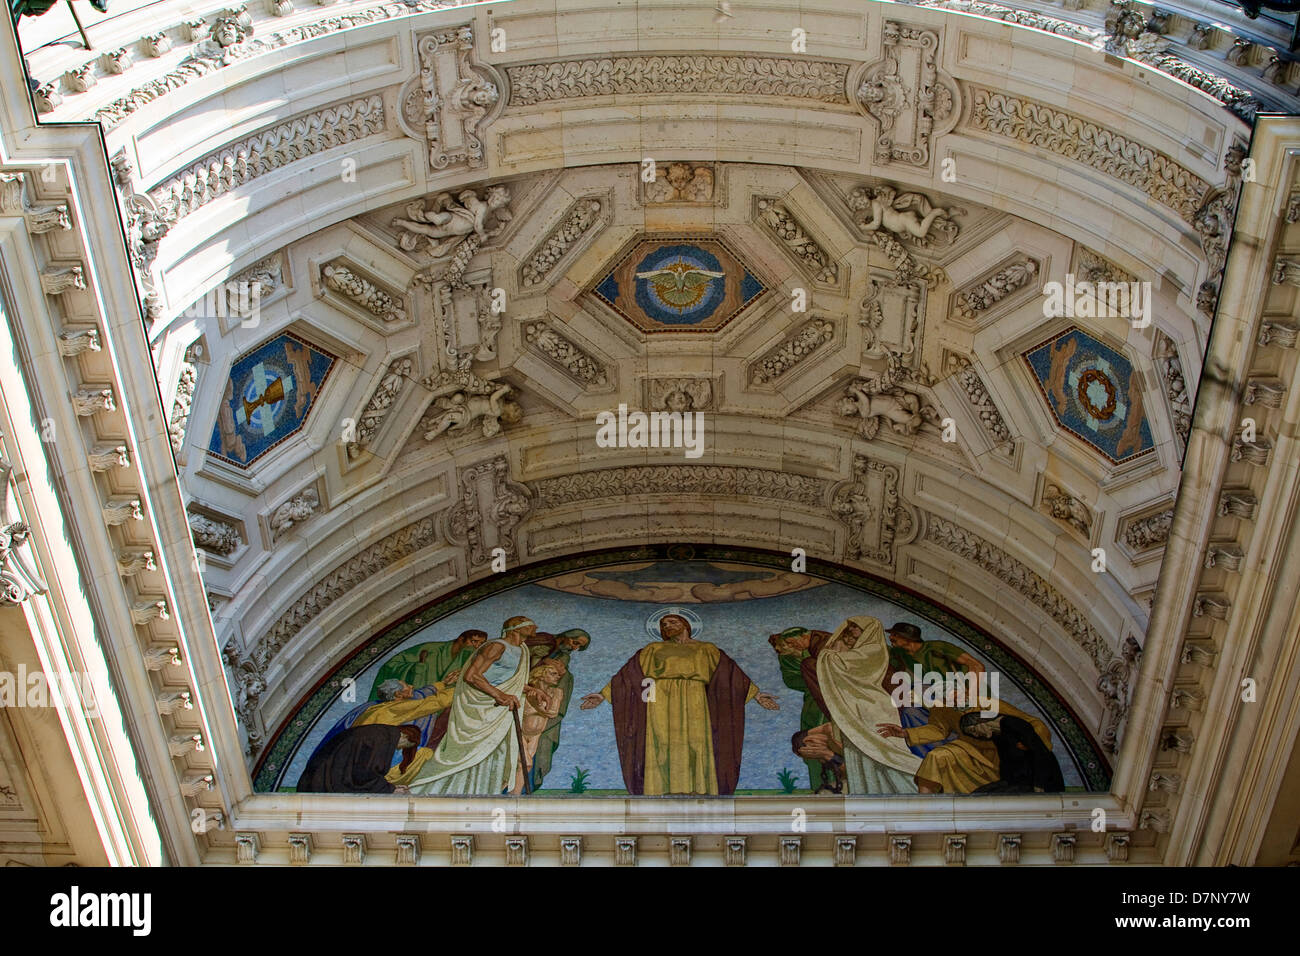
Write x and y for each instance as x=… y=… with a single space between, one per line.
x=453 y=99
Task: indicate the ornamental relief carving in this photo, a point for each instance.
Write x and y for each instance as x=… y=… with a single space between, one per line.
x=452 y=100
x=868 y=507
x=908 y=97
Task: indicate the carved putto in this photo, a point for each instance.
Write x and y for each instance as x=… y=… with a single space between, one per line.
x=454 y=228
x=880 y=398
x=681 y=182
x=908 y=216
x=462 y=400
x=1063 y=506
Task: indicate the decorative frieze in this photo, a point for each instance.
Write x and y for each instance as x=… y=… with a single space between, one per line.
x=230 y=43
x=383 y=304
x=390 y=387
x=1077 y=624
x=1057 y=131
x=239 y=163
x=799 y=346
x=561 y=351
x=579 y=220
x=805 y=250
x=1022 y=18
x=728 y=480
x=751 y=77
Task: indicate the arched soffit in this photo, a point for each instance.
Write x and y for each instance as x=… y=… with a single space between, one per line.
x=736 y=599
x=1090 y=169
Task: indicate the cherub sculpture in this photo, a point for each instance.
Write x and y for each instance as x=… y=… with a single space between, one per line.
x=461 y=408
x=451 y=221
x=880 y=398
x=903 y=214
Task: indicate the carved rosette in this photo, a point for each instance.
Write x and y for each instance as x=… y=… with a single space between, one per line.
x=869 y=508
x=907 y=95
x=452 y=100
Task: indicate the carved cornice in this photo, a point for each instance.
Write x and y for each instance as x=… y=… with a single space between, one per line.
x=210 y=57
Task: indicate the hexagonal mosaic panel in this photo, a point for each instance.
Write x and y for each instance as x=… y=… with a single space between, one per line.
x=270 y=392
x=1092 y=393
x=679 y=284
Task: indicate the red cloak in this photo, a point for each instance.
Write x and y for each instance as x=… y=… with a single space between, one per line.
x=726 y=694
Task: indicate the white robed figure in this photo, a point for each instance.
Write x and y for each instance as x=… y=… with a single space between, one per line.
x=479 y=753
x=851 y=671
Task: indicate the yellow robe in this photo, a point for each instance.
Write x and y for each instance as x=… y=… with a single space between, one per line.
x=397 y=777
x=397 y=712
x=678 y=734
x=966 y=763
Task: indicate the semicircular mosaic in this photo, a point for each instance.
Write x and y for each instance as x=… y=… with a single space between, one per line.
x=1093 y=393
x=684 y=669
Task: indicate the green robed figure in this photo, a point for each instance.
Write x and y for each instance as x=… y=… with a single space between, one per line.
x=426 y=664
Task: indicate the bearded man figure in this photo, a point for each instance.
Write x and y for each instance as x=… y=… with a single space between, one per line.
x=479 y=751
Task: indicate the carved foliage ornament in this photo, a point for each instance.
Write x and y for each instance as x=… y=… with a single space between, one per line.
x=381 y=402
x=678 y=480
x=906 y=95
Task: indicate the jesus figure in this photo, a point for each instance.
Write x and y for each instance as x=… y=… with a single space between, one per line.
x=679 y=714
